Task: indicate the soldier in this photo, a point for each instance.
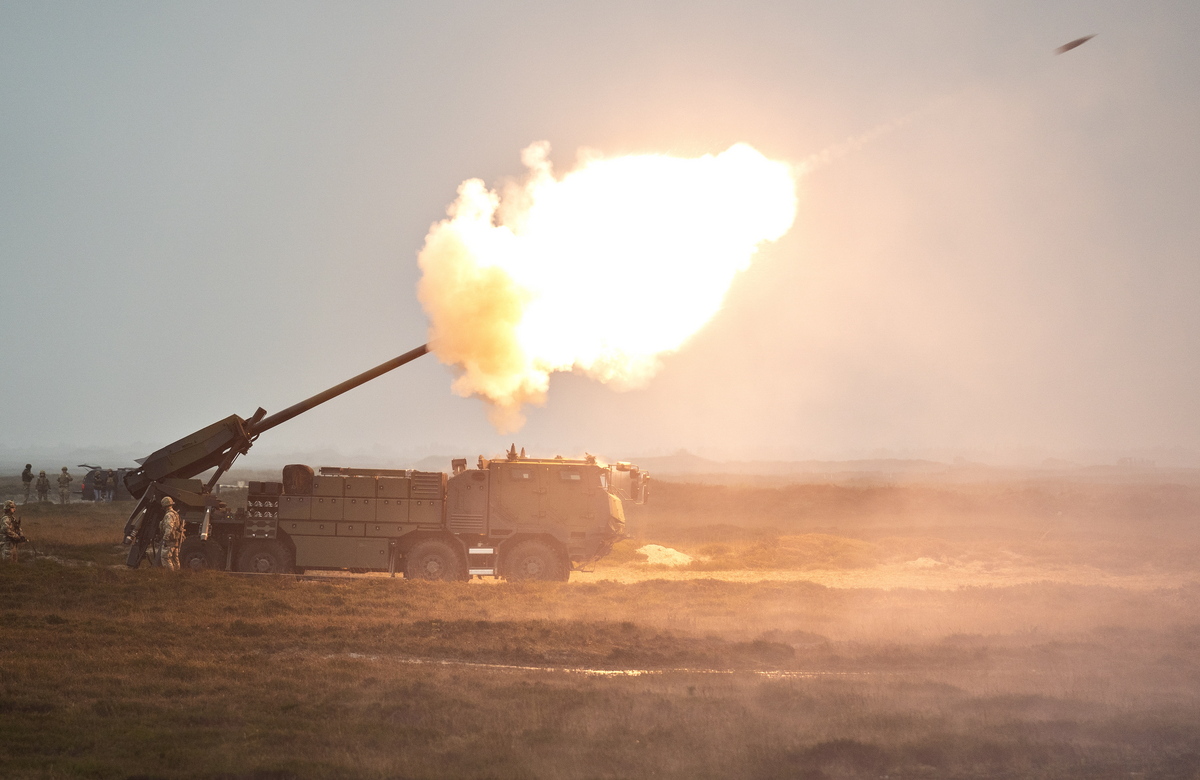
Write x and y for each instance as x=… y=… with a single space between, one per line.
x=171 y=529
x=10 y=533
x=43 y=488
x=64 y=486
x=27 y=479
x=110 y=486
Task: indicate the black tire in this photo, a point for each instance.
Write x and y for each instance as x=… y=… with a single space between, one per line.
x=265 y=557
x=197 y=555
x=533 y=560
x=434 y=559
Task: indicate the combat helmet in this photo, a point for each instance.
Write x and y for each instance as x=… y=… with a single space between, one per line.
x=167 y=502
x=64 y=468
x=10 y=505
x=41 y=473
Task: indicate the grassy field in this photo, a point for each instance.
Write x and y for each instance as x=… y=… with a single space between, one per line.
x=112 y=673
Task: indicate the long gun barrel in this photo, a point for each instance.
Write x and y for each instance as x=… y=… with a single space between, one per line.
x=218 y=445
x=267 y=423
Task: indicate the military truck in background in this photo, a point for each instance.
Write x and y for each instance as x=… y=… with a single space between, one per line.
x=512 y=517
x=96 y=479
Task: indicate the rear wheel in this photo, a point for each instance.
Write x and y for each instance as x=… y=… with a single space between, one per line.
x=265 y=557
x=535 y=560
x=433 y=559
x=196 y=555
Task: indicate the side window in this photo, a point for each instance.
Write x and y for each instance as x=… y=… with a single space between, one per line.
x=520 y=475
x=570 y=476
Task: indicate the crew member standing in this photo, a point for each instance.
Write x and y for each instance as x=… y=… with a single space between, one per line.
x=43 y=487
x=10 y=533
x=27 y=479
x=171 y=529
x=64 y=486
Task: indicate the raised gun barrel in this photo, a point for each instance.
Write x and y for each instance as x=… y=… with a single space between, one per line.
x=219 y=444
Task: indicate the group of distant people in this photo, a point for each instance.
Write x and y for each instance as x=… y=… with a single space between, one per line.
x=104 y=485
x=42 y=485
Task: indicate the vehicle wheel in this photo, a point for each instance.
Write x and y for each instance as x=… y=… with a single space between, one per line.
x=265 y=557
x=433 y=559
x=534 y=560
x=197 y=554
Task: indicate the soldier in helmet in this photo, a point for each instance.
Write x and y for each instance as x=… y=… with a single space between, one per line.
x=27 y=480
x=64 y=486
x=171 y=530
x=10 y=533
x=43 y=487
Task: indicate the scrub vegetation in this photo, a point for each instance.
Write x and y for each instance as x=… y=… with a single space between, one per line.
x=111 y=673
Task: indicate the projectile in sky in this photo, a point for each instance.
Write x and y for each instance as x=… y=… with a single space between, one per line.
x=1077 y=42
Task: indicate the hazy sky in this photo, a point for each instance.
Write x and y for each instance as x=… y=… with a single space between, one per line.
x=209 y=207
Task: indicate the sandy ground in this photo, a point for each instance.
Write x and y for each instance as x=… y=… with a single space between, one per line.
x=913 y=574
x=923 y=574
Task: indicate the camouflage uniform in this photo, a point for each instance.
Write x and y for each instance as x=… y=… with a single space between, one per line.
x=27 y=479
x=10 y=533
x=171 y=529
x=64 y=486
x=43 y=487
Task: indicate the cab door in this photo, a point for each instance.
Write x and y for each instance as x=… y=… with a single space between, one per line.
x=515 y=496
x=568 y=494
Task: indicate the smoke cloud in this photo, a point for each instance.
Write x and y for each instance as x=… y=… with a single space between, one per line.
x=601 y=271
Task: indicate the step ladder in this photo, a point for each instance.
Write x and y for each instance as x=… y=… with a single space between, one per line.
x=481 y=562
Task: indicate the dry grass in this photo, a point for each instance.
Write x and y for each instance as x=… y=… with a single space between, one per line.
x=112 y=673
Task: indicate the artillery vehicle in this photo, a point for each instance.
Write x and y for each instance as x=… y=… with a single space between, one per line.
x=512 y=517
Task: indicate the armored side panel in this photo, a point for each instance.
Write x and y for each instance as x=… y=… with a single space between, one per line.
x=427 y=489
x=295 y=507
x=387 y=529
x=392 y=487
x=360 y=487
x=307 y=528
x=425 y=513
x=341 y=552
x=515 y=496
x=351 y=529
x=329 y=487
x=466 y=502
x=360 y=509
x=327 y=508
x=391 y=510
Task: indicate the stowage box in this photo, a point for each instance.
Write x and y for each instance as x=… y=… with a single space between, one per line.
x=326 y=508
x=329 y=486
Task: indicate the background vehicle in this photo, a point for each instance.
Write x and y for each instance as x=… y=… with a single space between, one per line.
x=93 y=477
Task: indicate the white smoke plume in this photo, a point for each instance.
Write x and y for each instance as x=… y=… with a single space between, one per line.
x=600 y=271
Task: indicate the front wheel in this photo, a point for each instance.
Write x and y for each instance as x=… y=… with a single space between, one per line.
x=265 y=557
x=433 y=559
x=197 y=554
x=535 y=560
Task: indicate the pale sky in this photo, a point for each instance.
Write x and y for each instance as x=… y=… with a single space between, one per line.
x=210 y=207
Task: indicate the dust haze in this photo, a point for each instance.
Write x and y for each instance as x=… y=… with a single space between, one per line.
x=914 y=378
